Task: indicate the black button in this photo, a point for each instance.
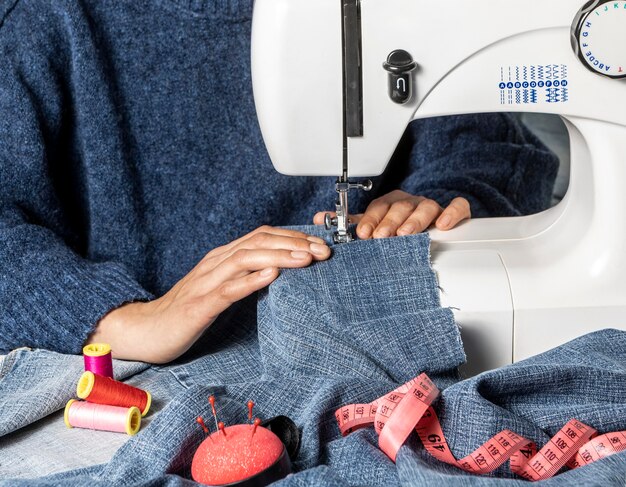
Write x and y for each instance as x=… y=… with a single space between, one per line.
x=399 y=65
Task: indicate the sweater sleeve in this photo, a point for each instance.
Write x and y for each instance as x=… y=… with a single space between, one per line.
x=50 y=295
x=490 y=159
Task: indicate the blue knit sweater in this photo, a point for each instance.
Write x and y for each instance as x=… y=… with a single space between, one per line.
x=129 y=148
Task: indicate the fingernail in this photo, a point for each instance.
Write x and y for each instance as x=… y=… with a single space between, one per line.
x=316 y=240
x=384 y=233
x=318 y=249
x=266 y=272
x=366 y=231
x=445 y=221
x=300 y=255
x=407 y=229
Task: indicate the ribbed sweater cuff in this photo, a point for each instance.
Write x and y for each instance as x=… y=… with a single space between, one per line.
x=60 y=313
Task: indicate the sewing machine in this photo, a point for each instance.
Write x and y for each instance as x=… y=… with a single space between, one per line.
x=336 y=83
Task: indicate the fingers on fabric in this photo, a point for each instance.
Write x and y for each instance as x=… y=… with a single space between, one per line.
x=237 y=289
x=246 y=261
x=372 y=217
x=252 y=260
x=249 y=264
x=268 y=241
x=264 y=231
x=387 y=214
x=456 y=212
x=271 y=239
x=421 y=218
x=396 y=217
x=242 y=273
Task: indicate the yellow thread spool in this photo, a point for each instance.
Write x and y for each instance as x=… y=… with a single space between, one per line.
x=96 y=349
x=66 y=414
x=133 y=421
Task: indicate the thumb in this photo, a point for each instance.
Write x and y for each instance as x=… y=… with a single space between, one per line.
x=318 y=219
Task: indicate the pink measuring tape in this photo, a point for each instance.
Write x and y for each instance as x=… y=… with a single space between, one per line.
x=408 y=408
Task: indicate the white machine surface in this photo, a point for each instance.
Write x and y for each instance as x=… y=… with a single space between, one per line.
x=336 y=82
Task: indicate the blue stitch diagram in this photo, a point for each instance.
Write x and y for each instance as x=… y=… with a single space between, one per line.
x=552 y=95
x=537 y=83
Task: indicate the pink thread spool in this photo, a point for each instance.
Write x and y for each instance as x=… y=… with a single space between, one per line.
x=79 y=414
x=97 y=357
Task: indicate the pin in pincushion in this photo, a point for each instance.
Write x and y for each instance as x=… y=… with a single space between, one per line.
x=243 y=455
x=235 y=454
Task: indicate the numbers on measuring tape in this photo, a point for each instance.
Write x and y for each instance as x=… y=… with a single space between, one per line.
x=550 y=455
x=419 y=394
x=493 y=451
x=572 y=445
x=480 y=460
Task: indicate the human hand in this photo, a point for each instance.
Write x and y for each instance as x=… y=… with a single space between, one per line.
x=399 y=213
x=161 y=330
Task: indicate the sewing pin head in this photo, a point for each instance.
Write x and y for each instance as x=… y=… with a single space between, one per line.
x=212 y=403
x=200 y=421
x=250 y=406
x=257 y=422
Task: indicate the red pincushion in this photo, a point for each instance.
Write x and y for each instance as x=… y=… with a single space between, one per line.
x=224 y=459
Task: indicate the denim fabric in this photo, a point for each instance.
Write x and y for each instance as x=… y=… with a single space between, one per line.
x=348 y=330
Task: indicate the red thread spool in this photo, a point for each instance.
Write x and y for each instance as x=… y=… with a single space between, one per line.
x=236 y=456
x=104 y=390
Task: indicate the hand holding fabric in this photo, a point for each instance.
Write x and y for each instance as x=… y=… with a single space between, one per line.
x=161 y=330
x=399 y=214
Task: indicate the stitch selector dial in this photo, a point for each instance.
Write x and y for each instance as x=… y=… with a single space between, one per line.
x=599 y=37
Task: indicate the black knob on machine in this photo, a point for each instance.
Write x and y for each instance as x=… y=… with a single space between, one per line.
x=399 y=65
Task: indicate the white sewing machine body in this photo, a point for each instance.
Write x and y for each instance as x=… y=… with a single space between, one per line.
x=519 y=286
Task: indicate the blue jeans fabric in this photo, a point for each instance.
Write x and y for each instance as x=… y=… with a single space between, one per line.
x=349 y=330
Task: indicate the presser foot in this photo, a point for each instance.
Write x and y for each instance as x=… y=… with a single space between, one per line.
x=340 y=236
x=341 y=220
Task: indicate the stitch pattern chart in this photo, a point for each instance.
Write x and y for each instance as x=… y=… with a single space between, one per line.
x=533 y=84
